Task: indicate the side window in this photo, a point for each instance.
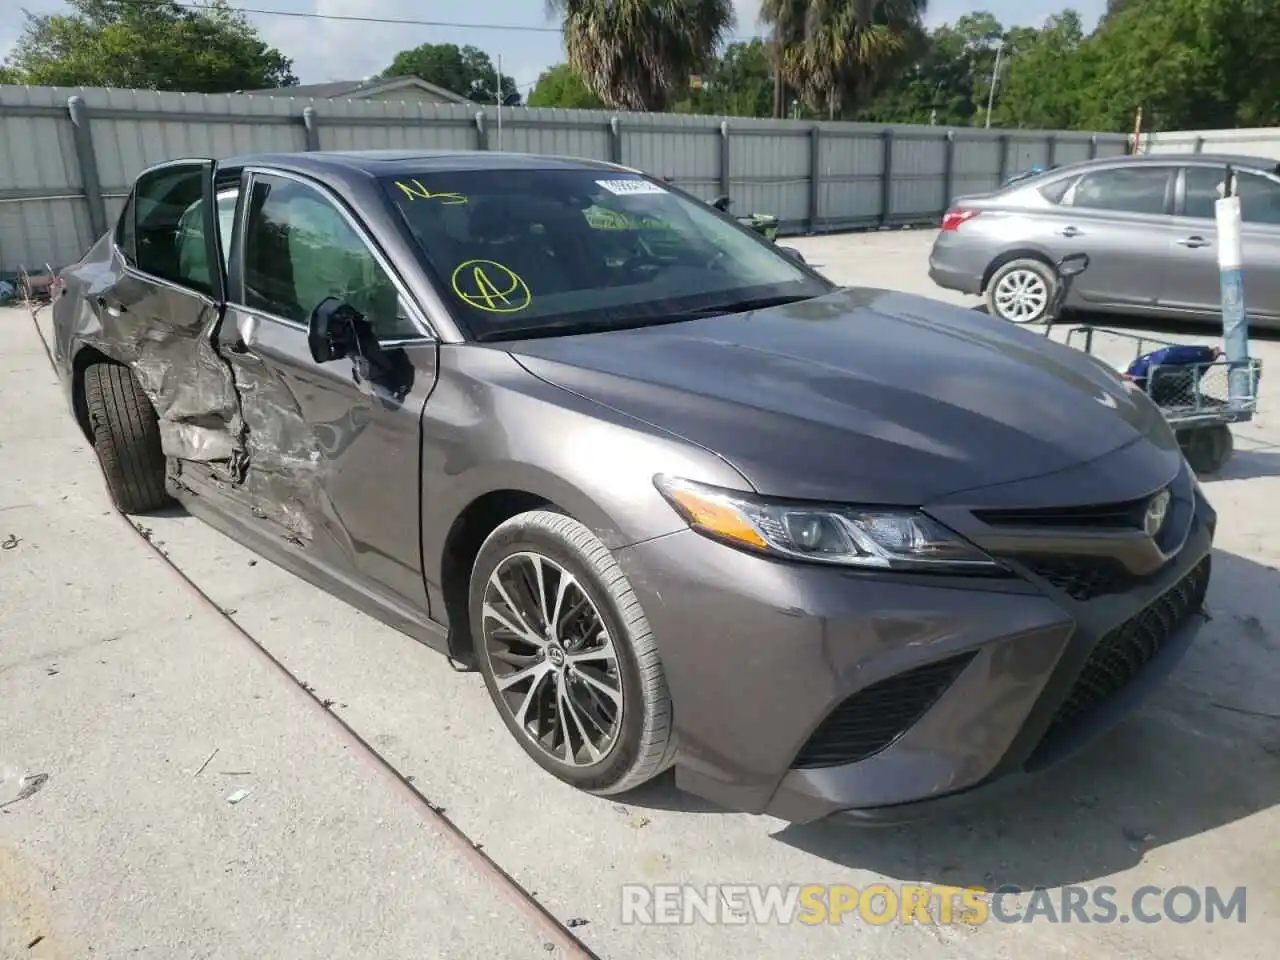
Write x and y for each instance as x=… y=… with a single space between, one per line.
x=1054 y=192
x=1259 y=198
x=1128 y=190
x=169 y=228
x=124 y=231
x=299 y=250
x=1203 y=188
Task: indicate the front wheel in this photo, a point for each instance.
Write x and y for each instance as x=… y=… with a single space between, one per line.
x=1208 y=449
x=1022 y=291
x=567 y=654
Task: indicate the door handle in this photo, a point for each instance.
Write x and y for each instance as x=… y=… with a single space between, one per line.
x=1193 y=242
x=1070 y=232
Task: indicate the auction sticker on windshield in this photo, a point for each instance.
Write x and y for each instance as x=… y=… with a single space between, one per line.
x=627 y=188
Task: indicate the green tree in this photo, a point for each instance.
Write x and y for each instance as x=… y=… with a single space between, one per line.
x=637 y=54
x=949 y=83
x=559 y=86
x=1187 y=63
x=849 y=50
x=467 y=71
x=9 y=75
x=158 y=45
x=738 y=83
x=1046 y=73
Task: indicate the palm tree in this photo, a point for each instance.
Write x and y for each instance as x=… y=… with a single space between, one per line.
x=637 y=54
x=786 y=20
x=834 y=51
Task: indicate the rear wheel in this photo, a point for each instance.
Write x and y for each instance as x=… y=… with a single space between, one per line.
x=126 y=438
x=1022 y=291
x=567 y=654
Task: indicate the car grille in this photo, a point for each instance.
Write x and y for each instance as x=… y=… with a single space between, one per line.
x=1107 y=516
x=873 y=718
x=1123 y=652
x=1084 y=578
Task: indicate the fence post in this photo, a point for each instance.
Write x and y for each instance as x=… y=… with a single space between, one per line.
x=482 y=134
x=87 y=158
x=1093 y=147
x=1051 y=149
x=1003 y=174
x=815 y=177
x=724 y=157
x=311 y=121
x=1199 y=145
x=886 y=176
x=615 y=140
x=948 y=171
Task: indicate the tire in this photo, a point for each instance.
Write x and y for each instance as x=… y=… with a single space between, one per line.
x=1026 y=287
x=1208 y=449
x=126 y=438
x=643 y=737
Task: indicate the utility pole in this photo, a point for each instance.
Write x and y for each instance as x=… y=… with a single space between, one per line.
x=498 y=97
x=995 y=78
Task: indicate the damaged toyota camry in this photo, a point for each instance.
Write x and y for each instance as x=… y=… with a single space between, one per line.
x=826 y=551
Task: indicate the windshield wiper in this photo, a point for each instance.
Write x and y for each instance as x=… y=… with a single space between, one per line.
x=563 y=328
x=742 y=306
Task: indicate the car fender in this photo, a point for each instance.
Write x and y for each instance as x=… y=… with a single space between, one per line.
x=1024 y=251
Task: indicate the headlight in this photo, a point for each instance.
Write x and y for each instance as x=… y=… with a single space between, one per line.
x=885 y=539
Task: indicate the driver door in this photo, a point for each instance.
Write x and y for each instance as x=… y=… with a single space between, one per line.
x=332 y=458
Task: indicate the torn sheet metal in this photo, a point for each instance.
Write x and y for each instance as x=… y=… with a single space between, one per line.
x=169 y=346
x=282 y=483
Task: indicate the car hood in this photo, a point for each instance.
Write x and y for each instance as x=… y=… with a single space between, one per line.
x=859 y=396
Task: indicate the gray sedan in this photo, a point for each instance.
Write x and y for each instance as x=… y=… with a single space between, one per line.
x=679 y=499
x=1146 y=222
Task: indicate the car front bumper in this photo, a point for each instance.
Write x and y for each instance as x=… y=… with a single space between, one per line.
x=807 y=692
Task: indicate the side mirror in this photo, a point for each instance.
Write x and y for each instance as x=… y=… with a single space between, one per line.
x=793 y=253
x=722 y=203
x=331 y=331
x=1073 y=264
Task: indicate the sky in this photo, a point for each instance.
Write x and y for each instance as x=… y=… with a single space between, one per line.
x=338 y=50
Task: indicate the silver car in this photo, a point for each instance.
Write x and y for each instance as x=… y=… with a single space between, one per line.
x=1146 y=222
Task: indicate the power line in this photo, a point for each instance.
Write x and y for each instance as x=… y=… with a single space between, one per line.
x=394 y=21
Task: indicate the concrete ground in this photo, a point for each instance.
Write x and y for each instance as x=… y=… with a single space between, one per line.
x=117 y=682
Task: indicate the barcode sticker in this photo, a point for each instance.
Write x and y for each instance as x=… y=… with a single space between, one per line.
x=625 y=188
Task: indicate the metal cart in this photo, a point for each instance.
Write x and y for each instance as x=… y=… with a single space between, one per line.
x=1196 y=398
x=1200 y=400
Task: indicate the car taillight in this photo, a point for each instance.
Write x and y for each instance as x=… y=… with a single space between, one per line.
x=953 y=218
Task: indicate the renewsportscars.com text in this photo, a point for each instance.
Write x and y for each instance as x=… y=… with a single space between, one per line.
x=882 y=903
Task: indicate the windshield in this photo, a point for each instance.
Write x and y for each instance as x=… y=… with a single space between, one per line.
x=523 y=253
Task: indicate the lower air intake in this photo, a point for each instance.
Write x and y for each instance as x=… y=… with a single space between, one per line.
x=872 y=719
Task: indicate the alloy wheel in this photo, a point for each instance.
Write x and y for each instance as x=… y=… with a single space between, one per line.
x=1021 y=296
x=553 y=660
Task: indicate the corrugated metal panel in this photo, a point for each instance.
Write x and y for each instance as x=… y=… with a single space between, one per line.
x=1263 y=142
x=44 y=215
x=918 y=169
x=977 y=165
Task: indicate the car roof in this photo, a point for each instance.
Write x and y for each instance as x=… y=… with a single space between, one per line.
x=391 y=163
x=1263 y=164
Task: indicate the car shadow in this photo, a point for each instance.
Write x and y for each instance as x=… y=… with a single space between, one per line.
x=1203 y=752
x=1246 y=464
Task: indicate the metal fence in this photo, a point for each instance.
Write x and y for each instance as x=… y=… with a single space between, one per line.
x=68 y=156
x=1260 y=142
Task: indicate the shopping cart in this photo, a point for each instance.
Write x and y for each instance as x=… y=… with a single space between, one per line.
x=1201 y=400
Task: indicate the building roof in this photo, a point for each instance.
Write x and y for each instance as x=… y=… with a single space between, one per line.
x=359 y=89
